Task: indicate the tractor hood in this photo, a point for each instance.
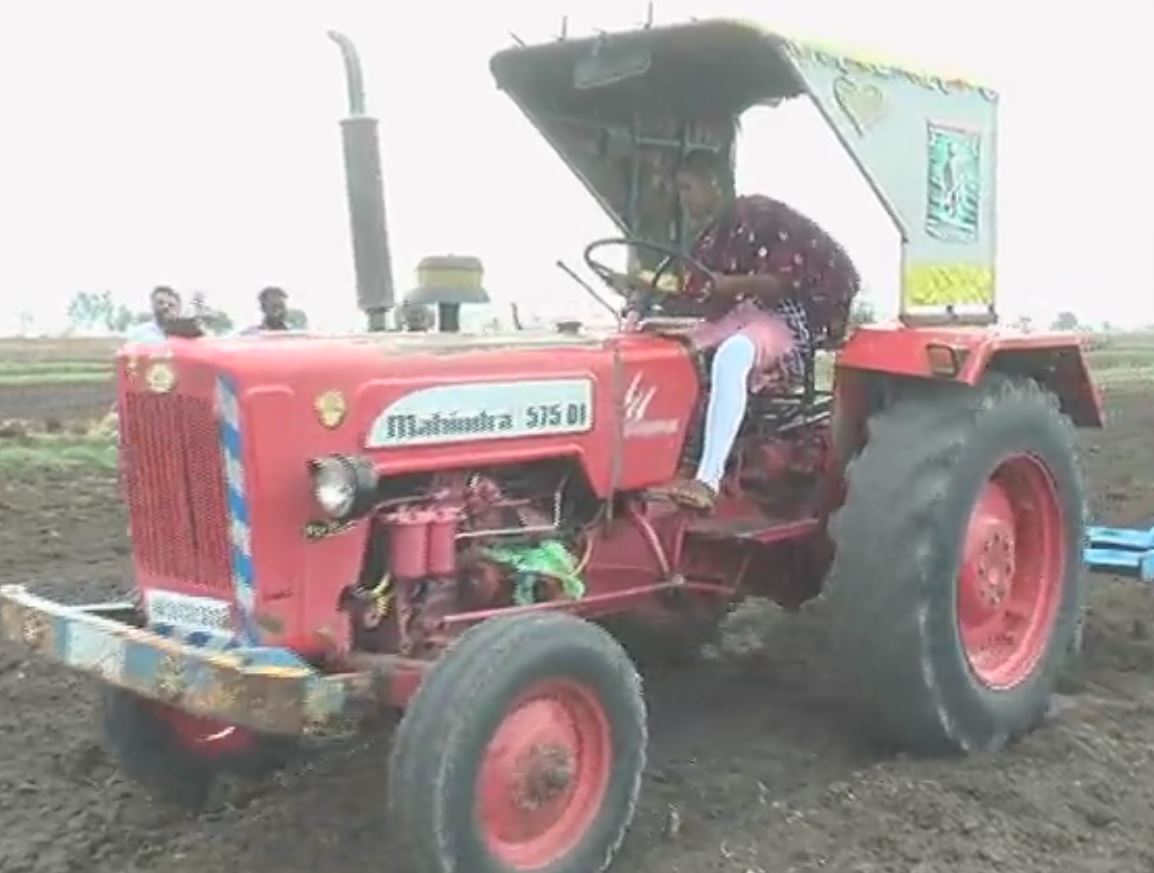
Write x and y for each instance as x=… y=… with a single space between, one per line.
x=417 y=402
x=292 y=356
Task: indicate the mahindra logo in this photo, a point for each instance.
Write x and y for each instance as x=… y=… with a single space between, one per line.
x=637 y=400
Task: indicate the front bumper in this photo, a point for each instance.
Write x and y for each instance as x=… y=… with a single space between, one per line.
x=266 y=689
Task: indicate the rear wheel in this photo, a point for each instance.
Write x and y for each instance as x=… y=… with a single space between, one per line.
x=522 y=750
x=956 y=591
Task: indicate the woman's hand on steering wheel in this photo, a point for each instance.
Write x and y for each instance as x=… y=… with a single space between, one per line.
x=627 y=285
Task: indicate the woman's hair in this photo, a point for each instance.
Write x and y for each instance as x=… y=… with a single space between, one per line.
x=709 y=164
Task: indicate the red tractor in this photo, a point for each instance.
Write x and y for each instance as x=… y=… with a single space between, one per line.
x=449 y=526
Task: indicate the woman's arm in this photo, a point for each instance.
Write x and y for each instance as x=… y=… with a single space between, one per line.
x=766 y=286
x=761 y=255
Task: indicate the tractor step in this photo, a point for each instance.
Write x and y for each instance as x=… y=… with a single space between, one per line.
x=760 y=530
x=1126 y=551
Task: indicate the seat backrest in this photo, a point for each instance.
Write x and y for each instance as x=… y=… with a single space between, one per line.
x=831 y=334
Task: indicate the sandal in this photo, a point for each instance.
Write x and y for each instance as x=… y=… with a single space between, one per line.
x=690 y=494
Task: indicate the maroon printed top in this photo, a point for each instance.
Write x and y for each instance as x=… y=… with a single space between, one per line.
x=761 y=236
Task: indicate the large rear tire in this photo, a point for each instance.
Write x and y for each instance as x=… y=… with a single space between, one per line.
x=522 y=750
x=956 y=591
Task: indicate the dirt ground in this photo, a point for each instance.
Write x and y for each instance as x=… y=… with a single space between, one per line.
x=749 y=770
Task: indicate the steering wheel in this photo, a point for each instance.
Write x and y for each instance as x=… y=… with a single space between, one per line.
x=643 y=301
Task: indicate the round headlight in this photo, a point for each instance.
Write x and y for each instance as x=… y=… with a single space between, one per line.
x=342 y=487
x=333 y=487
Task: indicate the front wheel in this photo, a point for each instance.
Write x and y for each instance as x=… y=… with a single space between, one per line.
x=176 y=756
x=956 y=591
x=522 y=750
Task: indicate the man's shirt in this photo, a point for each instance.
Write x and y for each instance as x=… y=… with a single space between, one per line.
x=145 y=332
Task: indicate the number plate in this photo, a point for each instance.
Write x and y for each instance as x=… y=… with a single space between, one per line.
x=188 y=613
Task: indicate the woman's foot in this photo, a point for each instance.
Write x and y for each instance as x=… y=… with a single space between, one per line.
x=690 y=494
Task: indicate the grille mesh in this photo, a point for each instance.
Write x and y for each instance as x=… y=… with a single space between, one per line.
x=173 y=477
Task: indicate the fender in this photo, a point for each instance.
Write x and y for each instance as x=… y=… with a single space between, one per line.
x=964 y=355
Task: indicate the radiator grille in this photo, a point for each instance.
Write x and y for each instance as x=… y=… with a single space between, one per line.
x=173 y=477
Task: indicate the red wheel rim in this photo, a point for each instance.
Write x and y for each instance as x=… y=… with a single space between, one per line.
x=1012 y=574
x=544 y=775
x=206 y=737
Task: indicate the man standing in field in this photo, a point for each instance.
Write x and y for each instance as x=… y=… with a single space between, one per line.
x=274 y=311
x=166 y=304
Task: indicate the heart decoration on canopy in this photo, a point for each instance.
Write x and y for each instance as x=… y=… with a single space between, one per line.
x=863 y=103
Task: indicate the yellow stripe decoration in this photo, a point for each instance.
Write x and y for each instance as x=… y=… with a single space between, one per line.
x=946 y=284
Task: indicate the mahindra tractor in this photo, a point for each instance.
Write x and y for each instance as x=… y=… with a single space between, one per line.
x=468 y=531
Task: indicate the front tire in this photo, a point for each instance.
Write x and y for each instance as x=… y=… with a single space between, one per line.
x=148 y=751
x=522 y=750
x=176 y=757
x=956 y=590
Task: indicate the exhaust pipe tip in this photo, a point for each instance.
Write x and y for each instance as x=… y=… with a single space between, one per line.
x=354 y=76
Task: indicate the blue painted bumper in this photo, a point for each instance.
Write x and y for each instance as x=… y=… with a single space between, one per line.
x=266 y=689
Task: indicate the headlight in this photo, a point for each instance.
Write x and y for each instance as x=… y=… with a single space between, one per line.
x=343 y=487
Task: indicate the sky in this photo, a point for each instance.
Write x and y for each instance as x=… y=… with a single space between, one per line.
x=197 y=145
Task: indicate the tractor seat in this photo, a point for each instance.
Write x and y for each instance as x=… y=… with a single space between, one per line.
x=777 y=407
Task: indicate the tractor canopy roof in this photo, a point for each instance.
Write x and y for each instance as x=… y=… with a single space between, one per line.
x=622 y=109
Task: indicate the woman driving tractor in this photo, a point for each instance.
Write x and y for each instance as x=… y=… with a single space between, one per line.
x=777 y=283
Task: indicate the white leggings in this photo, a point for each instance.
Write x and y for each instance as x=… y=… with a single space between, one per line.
x=728 y=399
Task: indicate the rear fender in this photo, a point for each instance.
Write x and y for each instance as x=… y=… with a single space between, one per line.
x=964 y=356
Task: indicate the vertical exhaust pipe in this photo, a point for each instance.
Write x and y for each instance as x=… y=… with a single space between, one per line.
x=365 y=188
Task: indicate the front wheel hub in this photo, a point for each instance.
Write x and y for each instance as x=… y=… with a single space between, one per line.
x=544 y=775
x=548 y=773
